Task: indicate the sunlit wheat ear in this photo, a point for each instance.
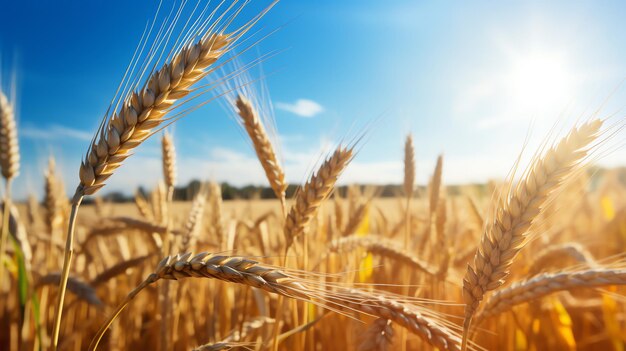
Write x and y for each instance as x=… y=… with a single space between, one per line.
x=226 y=268
x=144 y=110
x=506 y=234
x=431 y=330
x=169 y=161
x=409 y=166
x=545 y=284
x=9 y=149
x=51 y=199
x=262 y=145
x=9 y=166
x=311 y=196
x=435 y=185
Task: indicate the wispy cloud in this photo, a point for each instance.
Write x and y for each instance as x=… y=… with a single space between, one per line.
x=302 y=107
x=54 y=132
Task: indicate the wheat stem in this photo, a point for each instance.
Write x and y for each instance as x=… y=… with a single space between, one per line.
x=65 y=273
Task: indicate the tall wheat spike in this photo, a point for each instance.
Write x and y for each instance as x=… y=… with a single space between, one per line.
x=9 y=166
x=9 y=148
x=169 y=161
x=314 y=192
x=506 y=234
x=409 y=167
x=262 y=146
x=143 y=110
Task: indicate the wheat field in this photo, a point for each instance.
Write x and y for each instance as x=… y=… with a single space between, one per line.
x=531 y=262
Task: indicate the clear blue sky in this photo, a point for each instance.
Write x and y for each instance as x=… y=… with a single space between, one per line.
x=466 y=78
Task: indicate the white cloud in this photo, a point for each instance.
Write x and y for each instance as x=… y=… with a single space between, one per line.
x=54 y=132
x=302 y=107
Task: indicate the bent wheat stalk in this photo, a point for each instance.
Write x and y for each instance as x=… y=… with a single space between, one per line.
x=545 y=284
x=142 y=112
x=506 y=234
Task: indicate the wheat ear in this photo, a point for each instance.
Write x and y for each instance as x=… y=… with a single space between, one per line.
x=409 y=167
x=506 y=234
x=226 y=268
x=545 y=284
x=169 y=162
x=51 y=199
x=262 y=146
x=405 y=315
x=314 y=192
x=194 y=221
x=9 y=148
x=9 y=166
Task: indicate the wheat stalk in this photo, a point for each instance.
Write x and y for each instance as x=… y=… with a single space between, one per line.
x=545 y=284
x=506 y=234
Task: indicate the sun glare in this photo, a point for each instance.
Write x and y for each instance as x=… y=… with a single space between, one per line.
x=541 y=81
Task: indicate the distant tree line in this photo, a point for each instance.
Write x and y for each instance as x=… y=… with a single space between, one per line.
x=231 y=192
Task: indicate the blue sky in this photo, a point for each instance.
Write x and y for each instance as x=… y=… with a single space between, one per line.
x=467 y=79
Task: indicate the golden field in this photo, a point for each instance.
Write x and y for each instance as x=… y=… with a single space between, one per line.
x=531 y=262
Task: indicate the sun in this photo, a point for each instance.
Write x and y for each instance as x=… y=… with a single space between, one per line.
x=540 y=80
